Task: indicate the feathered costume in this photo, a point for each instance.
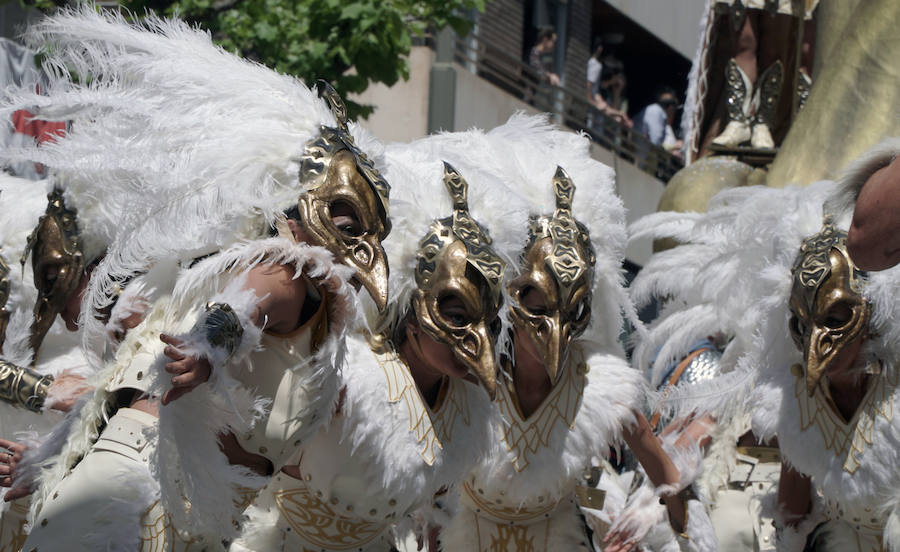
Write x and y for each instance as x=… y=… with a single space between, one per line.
x=384 y=465
x=197 y=151
x=58 y=227
x=743 y=256
x=524 y=491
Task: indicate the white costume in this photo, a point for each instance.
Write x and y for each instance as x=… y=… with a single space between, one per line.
x=526 y=494
x=385 y=465
x=751 y=240
x=170 y=169
x=65 y=233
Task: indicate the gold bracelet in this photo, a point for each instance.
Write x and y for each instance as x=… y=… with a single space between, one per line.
x=23 y=387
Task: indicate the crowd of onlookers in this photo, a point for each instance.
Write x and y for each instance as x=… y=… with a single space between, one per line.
x=606 y=89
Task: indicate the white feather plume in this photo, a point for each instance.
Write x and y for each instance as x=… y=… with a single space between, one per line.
x=187 y=146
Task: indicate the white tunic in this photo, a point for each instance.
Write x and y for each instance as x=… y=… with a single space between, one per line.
x=852 y=462
x=387 y=456
x=525 y=491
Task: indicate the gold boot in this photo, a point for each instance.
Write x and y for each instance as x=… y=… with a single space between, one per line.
x=768 y=91
x=737 y=130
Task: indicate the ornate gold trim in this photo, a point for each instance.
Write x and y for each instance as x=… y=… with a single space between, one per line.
x=318 y=523
x=848 y=439
x=524 y=437
x=502 y=513
x=434 y=428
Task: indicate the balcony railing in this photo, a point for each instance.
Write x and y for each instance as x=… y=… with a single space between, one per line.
x=568 y=106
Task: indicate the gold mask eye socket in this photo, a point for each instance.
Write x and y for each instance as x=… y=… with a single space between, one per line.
x=828 y=311
x=453 y=311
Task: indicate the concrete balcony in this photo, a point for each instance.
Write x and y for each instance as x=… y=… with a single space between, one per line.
x=452 y=88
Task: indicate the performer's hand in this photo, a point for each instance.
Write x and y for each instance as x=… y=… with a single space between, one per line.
x=619 y=540
x=9 y=460
x=189 y=371
x=65 y=391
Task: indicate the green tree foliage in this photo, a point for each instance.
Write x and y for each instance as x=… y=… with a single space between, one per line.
x=350 y=43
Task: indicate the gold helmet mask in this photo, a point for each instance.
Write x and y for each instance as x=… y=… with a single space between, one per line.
x=558 y=261
x=828 y=311
x=455 y=260
x=333 y=170
x=57 y=261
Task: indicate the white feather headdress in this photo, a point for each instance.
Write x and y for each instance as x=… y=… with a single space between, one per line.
x=519 y=159
x=189 y=147
x=528 y=150
x=416 y=173
x=731 y=274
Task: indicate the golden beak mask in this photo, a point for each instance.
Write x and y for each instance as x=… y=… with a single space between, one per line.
x=57 y=261
x=333 y=170
x=557 y=262
x=455 y=260
x=828 y=311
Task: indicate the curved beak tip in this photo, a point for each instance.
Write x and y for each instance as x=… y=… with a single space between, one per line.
x=378 y=291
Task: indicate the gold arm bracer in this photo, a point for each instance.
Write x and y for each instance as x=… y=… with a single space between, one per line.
x=23 y=387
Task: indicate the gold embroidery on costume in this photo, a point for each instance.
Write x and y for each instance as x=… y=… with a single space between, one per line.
x=155 y=530
x=158 y=534
x=318 y=523
x=505 y=514
x=524 y=437
x=511 y=537
x=847 y=440
x=434 y=428
x=516 y=535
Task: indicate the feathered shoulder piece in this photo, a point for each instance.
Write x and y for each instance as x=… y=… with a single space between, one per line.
x=731 y=274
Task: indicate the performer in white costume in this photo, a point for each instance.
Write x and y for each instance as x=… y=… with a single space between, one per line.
x=568 y=395
x=276 y=308
x=819 y=364
x=42 y=368
x=411 y=420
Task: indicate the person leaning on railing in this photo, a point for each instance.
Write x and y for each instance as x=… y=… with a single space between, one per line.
x=541 y=57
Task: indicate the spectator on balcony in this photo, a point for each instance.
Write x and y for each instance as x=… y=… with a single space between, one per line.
x=541 y=57
x=596 y=91
x=655 y=121
x=613 y=83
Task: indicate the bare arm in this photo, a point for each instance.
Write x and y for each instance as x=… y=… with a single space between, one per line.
x=874 y=237
x=697 y=430
x=277 y=311
x=793 y=495
x=659 y=467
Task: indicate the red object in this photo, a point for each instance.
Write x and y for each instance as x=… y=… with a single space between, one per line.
x=42 y=131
